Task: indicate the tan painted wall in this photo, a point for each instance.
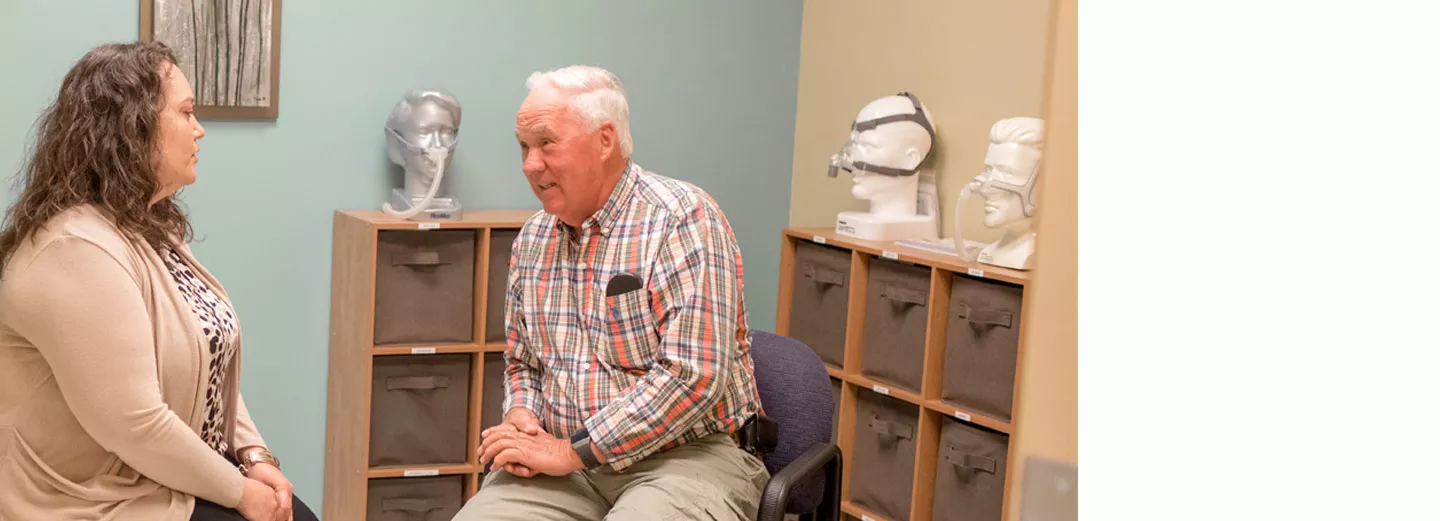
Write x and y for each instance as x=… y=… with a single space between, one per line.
x=971 y=62
x=1047 y=401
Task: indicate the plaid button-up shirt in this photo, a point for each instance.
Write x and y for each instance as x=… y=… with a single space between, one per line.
x=642 y=371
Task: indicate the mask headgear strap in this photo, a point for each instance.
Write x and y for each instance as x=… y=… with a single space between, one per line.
x=1025 y=191
x=918 y=117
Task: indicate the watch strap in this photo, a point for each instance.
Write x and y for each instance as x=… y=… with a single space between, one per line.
x=580 y=441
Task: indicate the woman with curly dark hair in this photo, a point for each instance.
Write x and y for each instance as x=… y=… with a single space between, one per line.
x=119 y=352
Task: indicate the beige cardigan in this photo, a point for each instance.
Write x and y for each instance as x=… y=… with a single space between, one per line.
x=102 y=382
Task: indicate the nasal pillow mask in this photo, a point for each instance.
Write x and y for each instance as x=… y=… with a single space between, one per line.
x=436 y=155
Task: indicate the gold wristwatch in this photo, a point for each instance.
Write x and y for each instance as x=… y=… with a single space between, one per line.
x=250 y=458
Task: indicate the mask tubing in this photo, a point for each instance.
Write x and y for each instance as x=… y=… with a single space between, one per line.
x=424 y=204
x=968 y=253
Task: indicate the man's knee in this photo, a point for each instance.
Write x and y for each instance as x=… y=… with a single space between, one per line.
x=503 y=496
x=706 y=479
x=679 y=496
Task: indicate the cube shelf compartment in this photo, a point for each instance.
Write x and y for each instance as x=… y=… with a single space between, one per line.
x=925 y=349
x=416 y=360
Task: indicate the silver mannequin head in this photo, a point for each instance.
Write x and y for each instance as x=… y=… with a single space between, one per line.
x=422 y=123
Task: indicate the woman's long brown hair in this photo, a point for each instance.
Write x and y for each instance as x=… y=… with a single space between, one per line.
x=97 y=145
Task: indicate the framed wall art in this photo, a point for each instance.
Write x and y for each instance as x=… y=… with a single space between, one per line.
x=228 y=49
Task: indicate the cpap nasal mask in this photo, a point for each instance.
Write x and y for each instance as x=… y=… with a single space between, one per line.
x=996 y=180
x=436 y=155
x=845 y=160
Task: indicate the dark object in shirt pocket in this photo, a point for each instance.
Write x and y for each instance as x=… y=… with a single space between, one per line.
x=632 y=342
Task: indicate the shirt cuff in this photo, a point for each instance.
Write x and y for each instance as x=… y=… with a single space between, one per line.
x=528 y=399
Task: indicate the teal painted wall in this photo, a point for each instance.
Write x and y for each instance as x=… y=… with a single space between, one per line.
x=712 y=90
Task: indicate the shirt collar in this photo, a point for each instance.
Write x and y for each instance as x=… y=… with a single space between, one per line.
x=605 y=217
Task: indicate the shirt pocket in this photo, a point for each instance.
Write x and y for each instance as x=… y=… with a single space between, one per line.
x=632 y=343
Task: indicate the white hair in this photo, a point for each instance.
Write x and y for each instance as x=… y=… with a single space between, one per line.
x=596 y=97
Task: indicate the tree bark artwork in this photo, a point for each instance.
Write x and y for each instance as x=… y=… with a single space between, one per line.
x=224 y=48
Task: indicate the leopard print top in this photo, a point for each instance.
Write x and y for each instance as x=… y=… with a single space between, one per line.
x=217 y=321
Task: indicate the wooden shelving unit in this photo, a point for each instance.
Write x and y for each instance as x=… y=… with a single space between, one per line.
x=354 y=353
x=932 y=412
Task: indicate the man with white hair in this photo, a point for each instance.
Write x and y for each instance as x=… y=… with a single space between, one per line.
x=628 y=369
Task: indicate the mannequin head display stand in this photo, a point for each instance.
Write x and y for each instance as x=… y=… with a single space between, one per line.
x=1007 y=186
x=420 y=136
x=889 y=139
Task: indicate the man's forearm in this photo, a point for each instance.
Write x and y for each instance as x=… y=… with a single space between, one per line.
x=524 y=394
x=660 y=408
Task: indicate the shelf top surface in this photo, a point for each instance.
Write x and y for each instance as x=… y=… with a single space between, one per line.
x=469 y=219
x=896 y=251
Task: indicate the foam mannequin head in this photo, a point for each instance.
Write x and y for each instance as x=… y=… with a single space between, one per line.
x=1012 y=164
x=1007 y=187
x=888 y=141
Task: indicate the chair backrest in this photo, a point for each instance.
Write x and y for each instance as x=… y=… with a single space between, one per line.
x=795 y=391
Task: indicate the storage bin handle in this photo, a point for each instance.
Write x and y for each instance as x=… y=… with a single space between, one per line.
x=962 y=460
x=405 y=504
x=891 y=429
x=423 y=257
x=825 y=275
x=989 y=317
x=902 y=295
x=416 y=382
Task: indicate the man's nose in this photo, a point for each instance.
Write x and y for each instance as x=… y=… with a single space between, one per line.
x=532 y=164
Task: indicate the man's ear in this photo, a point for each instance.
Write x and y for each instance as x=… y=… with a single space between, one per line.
x=609 y=140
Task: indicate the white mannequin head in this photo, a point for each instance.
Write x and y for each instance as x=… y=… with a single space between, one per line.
x=1011 y=167
x=888 y=141
x=1007 y=187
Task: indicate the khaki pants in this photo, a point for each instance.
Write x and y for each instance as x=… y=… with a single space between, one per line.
x=709 y=478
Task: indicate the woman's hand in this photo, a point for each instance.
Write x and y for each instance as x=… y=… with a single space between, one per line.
x=284 y=491
x=258 y=502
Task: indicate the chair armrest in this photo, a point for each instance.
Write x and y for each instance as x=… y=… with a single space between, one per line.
x=777 y=492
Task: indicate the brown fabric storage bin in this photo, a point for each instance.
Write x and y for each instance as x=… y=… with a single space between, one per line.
x=425 y=287
x=498 y=280
x=415 y=499
x=419 y=406
x=981 y=343
x=820 y=300
x=886 y=430
x=970 y=473
x=896 y=309
x=493 y=398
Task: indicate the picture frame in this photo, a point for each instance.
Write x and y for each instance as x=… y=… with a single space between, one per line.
x=232 y=61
